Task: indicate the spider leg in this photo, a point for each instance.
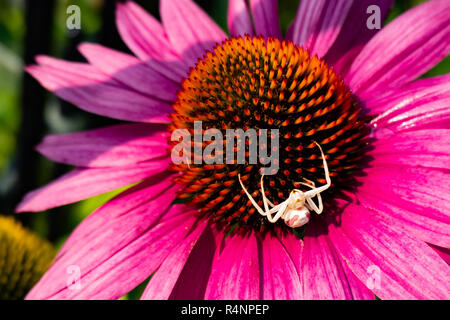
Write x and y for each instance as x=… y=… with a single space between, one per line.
x=308 y=185
x=270 y=203
x=264 y=195
x=308 y=206
x=281 y=208
x=251 y=198
x=276 y=209
x=265 y=200
x=313 y=206
x=313 y=186
x=312 y=193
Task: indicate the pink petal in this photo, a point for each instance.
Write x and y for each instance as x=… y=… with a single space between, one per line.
x=239 y=19
x=294 y=247
x=235 y=270
x=428 y=113
x=423 y=104
x=163 y=281
x=266 y=19
x=330 y=26
x=323 y=273
x=415 y=188
x=190 y=30
x=84 y=86
x=193 y=280
x=415 y=41
x=306 y=21
x=131 y=201
x=415 y=199
x=318 y=23
x=119 y=145
x=354 y=34
x=405 y=267
x=129 y=255
x=428 y=229
x=111 y=227
x=146 y=37
x=280 y=277
x=444 y=253
x=427 y=148
x=130 y=71
x=83 y=183
x=392 y=102
x=359 y=290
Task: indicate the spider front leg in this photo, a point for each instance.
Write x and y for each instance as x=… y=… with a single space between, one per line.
x=251 y=198
x=279 y=209
x=267 y=213
x=265 y=200
x=316 y=191
x=312 y=205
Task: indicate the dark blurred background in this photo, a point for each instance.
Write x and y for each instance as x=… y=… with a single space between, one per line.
x=28 y=112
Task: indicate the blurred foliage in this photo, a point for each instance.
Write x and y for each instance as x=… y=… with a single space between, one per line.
x=12 y=30
x=11 y=34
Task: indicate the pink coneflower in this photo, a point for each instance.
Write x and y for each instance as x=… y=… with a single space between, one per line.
x=384 y=229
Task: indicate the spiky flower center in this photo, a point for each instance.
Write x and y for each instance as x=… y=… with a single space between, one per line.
x=24 y=257
x=254 y=83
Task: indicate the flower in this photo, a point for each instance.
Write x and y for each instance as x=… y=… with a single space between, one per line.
x=24 y=257
x=385 y=225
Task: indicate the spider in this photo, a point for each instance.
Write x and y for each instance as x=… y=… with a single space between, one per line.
x=295 y=209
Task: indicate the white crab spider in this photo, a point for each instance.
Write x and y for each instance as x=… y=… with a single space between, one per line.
x=295 y=209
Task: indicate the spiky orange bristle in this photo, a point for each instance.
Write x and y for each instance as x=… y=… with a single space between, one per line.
x=267 y=84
